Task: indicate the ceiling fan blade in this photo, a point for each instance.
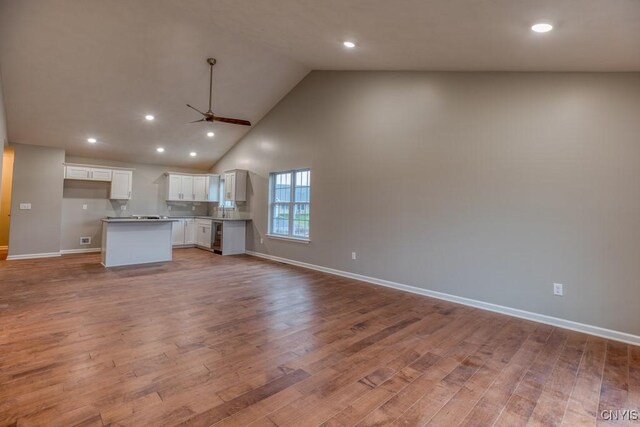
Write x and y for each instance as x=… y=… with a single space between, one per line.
x=232 y=121
x=201 y=120
x=194 y=108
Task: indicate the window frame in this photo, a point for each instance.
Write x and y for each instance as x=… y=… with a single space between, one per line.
x=291 y=205
x=222 y=201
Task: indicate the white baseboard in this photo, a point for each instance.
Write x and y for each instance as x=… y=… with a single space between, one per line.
x=79 y=251
x=32 y=256
x=528 y=315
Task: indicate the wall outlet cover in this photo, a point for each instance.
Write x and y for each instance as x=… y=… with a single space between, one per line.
x=353 y=255
x=25 y=206
x=558 y=289
x=85 y=240
x=123 y=207
x=84 y=207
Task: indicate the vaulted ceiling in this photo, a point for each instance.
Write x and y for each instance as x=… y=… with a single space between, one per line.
x=92 y=68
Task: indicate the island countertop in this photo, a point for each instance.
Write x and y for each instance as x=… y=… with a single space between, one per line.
x=138 y=220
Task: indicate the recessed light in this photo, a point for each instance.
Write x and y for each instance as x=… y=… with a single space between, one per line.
x=349 y=44
x=160 y=150
x=210 y=134
x=542 y=27
x=193 y=154
x=92 y=140
x=149 y=117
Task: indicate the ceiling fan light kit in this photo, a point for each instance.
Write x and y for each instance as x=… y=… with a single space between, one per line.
x=208 y=116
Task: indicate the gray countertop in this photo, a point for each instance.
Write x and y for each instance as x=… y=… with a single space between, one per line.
x=137 y=220
x=216 y=218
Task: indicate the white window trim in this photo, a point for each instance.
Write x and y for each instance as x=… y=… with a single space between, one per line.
x=271 y=202
x=293 y=239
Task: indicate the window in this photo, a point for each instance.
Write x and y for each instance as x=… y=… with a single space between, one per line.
x=224 y=203
x=289 y=200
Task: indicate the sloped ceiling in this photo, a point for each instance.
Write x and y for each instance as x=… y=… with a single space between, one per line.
x=75 y=69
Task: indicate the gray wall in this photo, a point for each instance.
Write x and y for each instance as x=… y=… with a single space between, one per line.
x=148 y=197
x=3 y=130
x=37 y=179
x=490 y=186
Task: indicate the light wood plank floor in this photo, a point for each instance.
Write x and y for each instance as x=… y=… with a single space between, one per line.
x=226 y=341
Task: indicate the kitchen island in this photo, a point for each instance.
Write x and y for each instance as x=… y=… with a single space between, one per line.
x=131 y=241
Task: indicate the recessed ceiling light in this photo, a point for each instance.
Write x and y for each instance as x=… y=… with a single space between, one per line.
x=210 y=134
x=160 y=150
x=193 y=154
x=149 y=117
x=349 y=44
x=542 y=27
x=92 y=140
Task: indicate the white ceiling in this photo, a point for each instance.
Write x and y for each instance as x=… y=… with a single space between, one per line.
x=73 y=69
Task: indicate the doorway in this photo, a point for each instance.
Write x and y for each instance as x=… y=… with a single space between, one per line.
x=5 y=200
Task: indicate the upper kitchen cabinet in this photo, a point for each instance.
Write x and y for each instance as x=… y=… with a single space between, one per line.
x=121 y=184
x=192 y=188
x=88 y=173
x=179 y=187
x=121 y=179
x=235 y=185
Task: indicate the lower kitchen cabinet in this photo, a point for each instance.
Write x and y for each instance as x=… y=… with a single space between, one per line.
x=183 y=232
x=203 y=233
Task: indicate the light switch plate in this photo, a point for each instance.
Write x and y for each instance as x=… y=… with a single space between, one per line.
x=123 y=207
x=84 y=207
x=25 y=206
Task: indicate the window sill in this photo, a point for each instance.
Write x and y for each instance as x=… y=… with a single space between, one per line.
x=291 y=239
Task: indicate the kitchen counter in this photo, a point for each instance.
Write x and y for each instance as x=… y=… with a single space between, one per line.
x=138 y=220
x=214 y=218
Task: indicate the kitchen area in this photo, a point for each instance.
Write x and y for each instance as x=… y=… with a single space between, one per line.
x=192 y=210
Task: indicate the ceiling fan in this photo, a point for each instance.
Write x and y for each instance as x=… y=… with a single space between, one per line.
x=208 y=116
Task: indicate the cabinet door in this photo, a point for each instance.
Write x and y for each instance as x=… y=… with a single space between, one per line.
x=178 y=232
x=213 y=188
x=189 y=232
x=100 y=174
x=203 y=235
x=187 y=187
x=76 y=172
x=121 y=183
x=174 y=187
x=200 y=188
x=230 y=186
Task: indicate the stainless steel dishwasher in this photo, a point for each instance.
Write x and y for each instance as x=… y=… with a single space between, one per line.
x=216 y=236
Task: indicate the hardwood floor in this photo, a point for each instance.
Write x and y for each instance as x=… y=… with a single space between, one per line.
x=226 y=341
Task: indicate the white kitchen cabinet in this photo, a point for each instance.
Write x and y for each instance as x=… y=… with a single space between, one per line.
x=235 y=185
x=189 y=231
x=121 y=184
x=98 y=174
x=200 y=188
x=174 y=187
x=203 y=233
x=213 y=188
x=87 y=173
x=180 y=188
x=177 y=232
x=76 y=172
x=183 y=232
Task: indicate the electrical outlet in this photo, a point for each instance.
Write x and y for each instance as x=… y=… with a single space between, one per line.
x=85 y=240
x=25 y=206
x=261 y=240
x=558 y=289
x=123 y=207
x=84 y=207
x=169 y=207
x=193 y=208
x=353 y=255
